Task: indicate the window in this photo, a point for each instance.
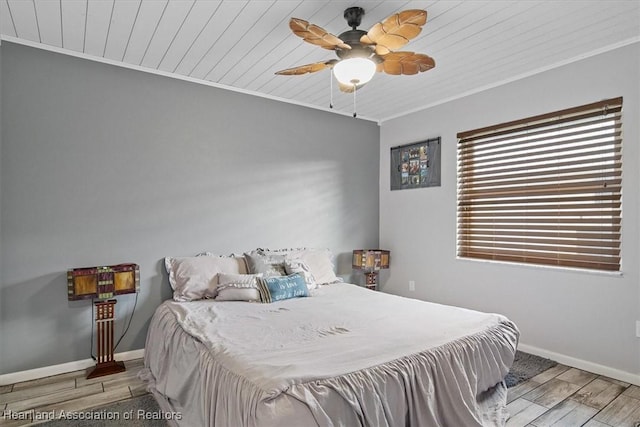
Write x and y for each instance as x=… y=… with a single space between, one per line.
x=544 y=190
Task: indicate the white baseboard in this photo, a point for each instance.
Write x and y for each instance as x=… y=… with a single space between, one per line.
x=616 y=374
x=63 y=368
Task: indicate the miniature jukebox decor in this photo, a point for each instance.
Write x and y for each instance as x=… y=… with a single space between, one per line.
x=370 y=261
x=103 y=283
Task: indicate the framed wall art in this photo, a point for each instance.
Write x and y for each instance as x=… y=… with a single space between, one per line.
x=416 y=165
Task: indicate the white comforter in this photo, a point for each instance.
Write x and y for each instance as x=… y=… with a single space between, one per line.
x=350 y=356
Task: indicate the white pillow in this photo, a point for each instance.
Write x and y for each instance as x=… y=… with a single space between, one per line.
x=320 y=264
x=194 y=278
x=238 y=287
x=267 y=264
x=296 y=265
x=318 y=260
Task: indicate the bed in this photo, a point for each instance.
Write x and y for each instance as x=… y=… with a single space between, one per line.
x=344 y=356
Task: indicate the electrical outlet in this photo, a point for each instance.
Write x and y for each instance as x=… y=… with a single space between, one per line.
x=638 y=328
x=412 y=285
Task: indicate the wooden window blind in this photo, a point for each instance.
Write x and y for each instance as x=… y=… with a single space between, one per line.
x=544 y=190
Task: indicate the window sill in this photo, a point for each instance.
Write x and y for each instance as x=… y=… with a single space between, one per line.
x=545 y=267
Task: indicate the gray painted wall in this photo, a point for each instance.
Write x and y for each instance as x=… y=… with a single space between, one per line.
x=0 y=169
x=0 y=163
x=581 y=315
x=102 y=165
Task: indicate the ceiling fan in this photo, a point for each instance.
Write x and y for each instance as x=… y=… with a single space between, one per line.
x=362 y=53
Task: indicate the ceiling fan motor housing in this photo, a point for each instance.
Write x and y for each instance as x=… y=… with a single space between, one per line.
x=358 y=50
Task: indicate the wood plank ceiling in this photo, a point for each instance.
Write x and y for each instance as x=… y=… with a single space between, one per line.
x=240 y=44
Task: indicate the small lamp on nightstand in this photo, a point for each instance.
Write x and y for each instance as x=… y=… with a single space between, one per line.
x=370 y=261
x=102 y=283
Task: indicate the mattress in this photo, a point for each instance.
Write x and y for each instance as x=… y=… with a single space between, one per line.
x=345 y=356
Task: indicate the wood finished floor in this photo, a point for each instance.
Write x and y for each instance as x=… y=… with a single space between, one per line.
x=566 y=397
x=70 y=392
x=561 y=397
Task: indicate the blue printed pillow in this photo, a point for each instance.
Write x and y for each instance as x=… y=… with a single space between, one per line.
x=283 y=287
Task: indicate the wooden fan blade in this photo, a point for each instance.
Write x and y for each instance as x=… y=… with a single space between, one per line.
x=318 y=36
x=395 y=31
x=396 y=63
x=308 y=68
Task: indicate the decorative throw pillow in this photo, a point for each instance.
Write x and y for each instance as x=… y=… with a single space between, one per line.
x=296 y=265
x=238 y=287
x=269 y=265
x=194 y=278
x=320 y=264
x=280 y=288
x=318 y=260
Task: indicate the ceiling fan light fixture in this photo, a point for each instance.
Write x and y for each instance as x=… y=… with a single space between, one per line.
x=354 y=71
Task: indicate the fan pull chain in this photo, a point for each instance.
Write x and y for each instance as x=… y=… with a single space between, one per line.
x=354 y=101
x=330 y=90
